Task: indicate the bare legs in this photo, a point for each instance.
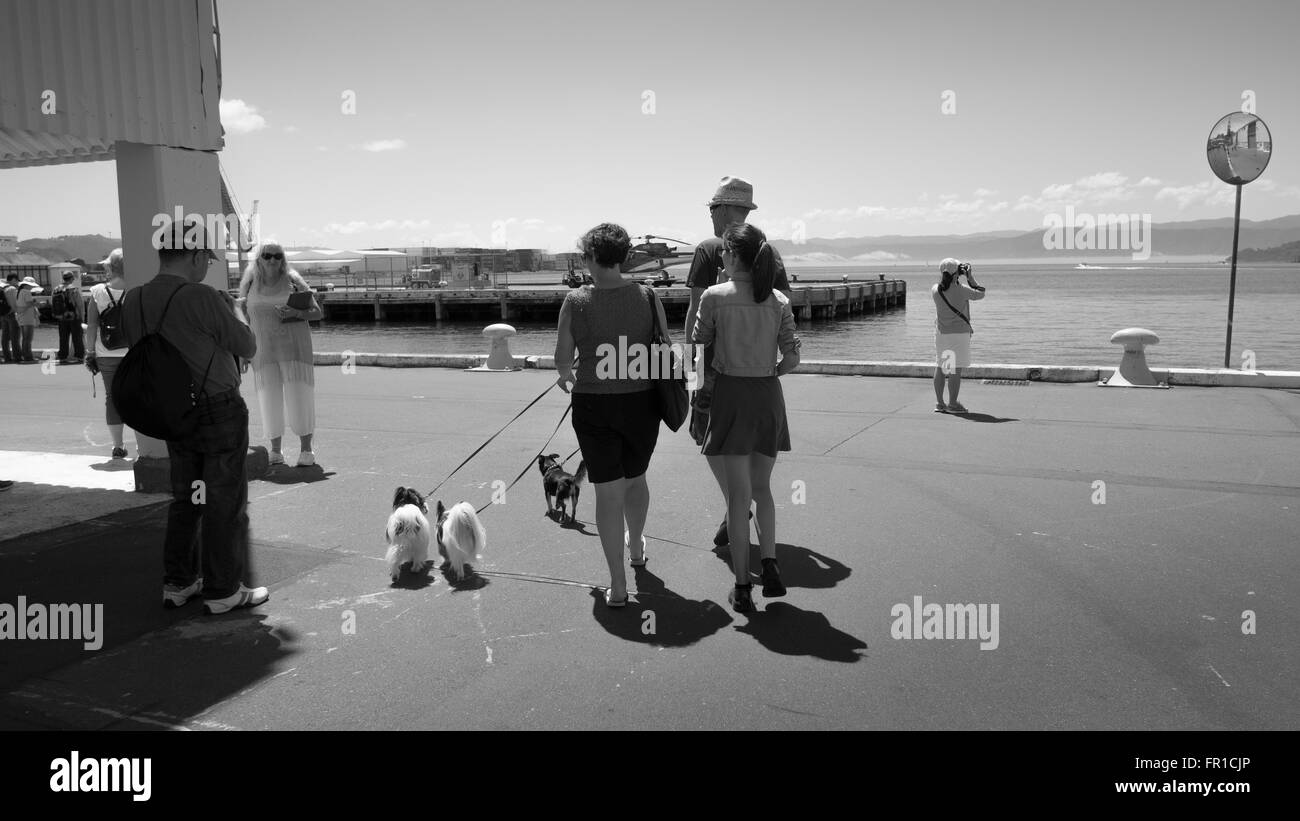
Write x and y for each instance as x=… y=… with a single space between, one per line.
x=748 y=478
x=954 y=385
x=620 y=503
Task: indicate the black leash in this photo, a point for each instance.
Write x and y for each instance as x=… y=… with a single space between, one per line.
x=493 y=436
x=533 y=461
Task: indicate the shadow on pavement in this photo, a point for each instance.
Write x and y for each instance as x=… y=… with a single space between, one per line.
x=168 y=664
x=800 y=567
x=982 y=417
x=288 y=475
x=674 y=621
x=790 y=631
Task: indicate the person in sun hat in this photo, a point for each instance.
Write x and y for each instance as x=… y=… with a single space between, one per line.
x=104 y=309
x=731 y=204
x=28 y=316
x=201 y=322
x=952 y=330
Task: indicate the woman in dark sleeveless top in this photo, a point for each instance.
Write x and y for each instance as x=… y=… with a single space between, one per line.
x=615 y=407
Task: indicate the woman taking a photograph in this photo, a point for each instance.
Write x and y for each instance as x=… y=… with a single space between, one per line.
x=747 y=323
x=283 y=370
x=616 y=419
x=952 y=330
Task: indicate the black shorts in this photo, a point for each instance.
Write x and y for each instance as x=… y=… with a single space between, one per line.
x=617 y=432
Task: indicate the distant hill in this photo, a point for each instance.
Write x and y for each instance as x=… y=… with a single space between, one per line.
x=1287 y=252
x=1192 y=238
x=90 y=247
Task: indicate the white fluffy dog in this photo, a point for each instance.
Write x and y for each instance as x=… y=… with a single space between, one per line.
x=407 y=533
x=461 y=537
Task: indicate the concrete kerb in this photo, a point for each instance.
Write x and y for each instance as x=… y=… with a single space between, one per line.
x=1185 y=377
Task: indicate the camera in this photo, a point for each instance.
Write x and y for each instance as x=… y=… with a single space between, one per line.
x=963 y=268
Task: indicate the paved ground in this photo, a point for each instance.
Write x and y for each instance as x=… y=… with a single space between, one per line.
x=1127 y=614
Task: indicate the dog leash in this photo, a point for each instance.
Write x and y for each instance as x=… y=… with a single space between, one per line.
x=493 y=436
x=533 y=461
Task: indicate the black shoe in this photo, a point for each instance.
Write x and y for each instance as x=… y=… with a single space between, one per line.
x=119 y=453
x=741 y=599
x=771 y=577
x=720 y=538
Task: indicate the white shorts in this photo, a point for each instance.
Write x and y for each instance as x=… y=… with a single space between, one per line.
x=953 y=350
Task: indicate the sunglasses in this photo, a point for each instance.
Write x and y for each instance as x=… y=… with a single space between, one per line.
x=269 y=257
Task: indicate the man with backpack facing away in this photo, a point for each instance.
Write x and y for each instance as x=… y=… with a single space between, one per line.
x=9 y=333
x=67 y=306
x=209 y=488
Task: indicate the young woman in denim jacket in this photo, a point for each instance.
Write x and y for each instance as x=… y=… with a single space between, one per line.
x=747 y=323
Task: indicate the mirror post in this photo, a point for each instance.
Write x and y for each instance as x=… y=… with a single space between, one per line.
x=1232 y=279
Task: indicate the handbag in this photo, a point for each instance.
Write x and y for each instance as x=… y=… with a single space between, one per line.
x=300 y=300
x=670 y=387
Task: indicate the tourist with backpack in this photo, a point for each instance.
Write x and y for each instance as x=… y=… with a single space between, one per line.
x=68 y=306
x=10 y=336
x=180 y=381
x=108 y=344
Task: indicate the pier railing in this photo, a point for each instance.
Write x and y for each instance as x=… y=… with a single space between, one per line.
x=505 y=304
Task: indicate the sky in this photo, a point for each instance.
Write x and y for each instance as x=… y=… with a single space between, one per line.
x=520 y=124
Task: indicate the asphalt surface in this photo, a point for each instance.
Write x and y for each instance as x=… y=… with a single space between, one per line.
x=1130 y=614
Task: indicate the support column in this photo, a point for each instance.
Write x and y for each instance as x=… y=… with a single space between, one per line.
x=154 y=181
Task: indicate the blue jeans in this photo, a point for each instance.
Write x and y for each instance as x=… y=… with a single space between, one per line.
x=210 y=530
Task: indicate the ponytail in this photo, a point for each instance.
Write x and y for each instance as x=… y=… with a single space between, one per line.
x=764 y=272
x=947 y=280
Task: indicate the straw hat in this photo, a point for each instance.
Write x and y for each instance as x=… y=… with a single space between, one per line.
x=734 y=191
x=33 y=284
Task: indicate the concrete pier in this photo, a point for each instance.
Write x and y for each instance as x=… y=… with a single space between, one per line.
x=1123 y=536
x=507 y=304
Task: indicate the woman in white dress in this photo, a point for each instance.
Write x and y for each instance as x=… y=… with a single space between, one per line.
x=283 y=370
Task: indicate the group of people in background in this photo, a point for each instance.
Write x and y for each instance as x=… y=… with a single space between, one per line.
x=740 y=313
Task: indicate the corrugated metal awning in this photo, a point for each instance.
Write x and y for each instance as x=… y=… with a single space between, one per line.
x=76 y=77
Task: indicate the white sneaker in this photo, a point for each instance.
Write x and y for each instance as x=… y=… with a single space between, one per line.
x=245 y=597
x=306 y=459
x=276 y=458
x=174 y=596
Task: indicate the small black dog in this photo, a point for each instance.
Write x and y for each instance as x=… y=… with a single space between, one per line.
x=560 y=485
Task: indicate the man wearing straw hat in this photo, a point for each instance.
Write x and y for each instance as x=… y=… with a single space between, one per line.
x=731 y=204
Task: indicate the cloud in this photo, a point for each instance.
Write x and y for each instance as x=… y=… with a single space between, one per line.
x=385 y=145
x=362 y=226
x=1202 y=193
x=238 y=117
x=291 y=129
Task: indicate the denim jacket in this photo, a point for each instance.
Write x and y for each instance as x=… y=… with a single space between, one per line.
x=745 y=335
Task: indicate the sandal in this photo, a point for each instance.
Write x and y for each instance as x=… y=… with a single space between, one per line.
x=741 y=598
x=610 y=601
x=644 y=556
x=940 y=407
x=957 y=407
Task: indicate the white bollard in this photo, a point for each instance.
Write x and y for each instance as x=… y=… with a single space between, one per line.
x=499 y=358
x=1133 y=371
